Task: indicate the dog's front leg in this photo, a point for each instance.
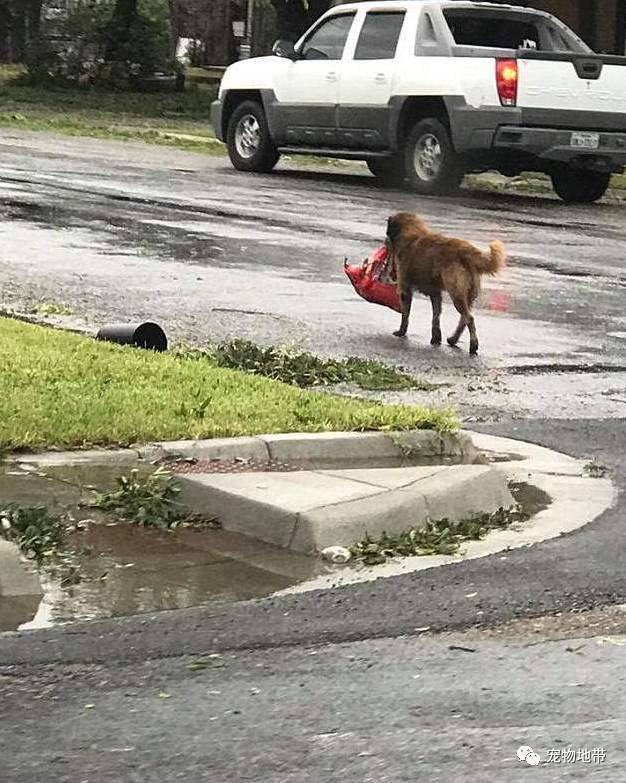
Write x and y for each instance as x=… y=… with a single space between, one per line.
x=435 y=301
x=406 y=300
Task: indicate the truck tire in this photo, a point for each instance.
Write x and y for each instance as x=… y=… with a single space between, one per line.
x=388 y=171
x=432 y=166
x=250 y=147
x=579 y=186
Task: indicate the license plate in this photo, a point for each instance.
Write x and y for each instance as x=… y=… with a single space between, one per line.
x=588 y=141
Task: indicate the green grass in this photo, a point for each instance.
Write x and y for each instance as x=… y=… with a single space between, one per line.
x=171 y=119
x=618 y=182
x=529 y=184
x=61 y=389
x=52 y=308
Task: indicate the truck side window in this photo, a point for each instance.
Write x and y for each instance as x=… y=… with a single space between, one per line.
x=494 y=32
x=379 y=36
x=328 y=41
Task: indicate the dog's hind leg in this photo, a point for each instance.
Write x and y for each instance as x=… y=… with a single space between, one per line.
x=435 y=300
x=406 y=299
x=456 y=335
x=467 y=319
x=471 y=325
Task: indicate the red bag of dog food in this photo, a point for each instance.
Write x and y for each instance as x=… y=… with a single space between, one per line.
x=374 y=280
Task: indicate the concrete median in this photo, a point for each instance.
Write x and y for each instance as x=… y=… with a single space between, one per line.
x=309 y=510
x=20 y=589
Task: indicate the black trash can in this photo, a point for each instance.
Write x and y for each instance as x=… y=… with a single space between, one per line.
x=147 y=335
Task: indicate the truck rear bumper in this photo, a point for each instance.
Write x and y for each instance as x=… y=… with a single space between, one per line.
x=554 y=144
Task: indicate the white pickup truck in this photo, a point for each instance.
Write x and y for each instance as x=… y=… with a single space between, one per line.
x=425 y=92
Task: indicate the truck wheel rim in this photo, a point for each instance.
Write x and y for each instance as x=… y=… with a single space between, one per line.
x=247 y=136
x=428 y=157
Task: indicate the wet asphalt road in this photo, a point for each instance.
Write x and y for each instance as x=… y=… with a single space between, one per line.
x=380 y=711
x=127 y=231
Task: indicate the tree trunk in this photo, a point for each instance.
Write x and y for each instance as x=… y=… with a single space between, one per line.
x=33 y=19
x=174 y=7
x=125 y=11
x=620 y=27
x=6 y=27
x=18 y=37
x=294 y=18
x=125 y=14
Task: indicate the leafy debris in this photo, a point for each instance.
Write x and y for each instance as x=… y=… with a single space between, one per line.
x=440 y=537
x=149 y=501
x=304 y=369
x=37 y=532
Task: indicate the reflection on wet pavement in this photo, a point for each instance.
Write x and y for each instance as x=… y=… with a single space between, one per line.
x=128 y=570
x=124 y=569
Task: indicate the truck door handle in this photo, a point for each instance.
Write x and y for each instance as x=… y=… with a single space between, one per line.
x=380 y=77
x=331 y=76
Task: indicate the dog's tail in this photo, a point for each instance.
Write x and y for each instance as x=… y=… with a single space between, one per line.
x=495 y=261
x=490 y=263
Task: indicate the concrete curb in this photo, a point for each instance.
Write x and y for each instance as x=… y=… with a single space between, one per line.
x=576 y=498
x=68 y=459
x=326 y=450
x=18 y=578
x=309 y=510
x=312 y=451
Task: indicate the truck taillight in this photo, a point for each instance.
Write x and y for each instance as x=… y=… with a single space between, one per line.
x=507 y=74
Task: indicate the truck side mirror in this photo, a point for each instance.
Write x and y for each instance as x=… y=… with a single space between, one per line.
x=283 y=48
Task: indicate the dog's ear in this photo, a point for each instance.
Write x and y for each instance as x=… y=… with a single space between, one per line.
x=393 y=228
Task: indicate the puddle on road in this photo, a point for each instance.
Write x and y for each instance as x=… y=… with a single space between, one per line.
x=531 y=498
x=125 y=569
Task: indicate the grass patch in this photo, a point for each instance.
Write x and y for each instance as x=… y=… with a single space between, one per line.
x=528 y=183
x=595 y=469
x=440 y=537
x=171 y=119
x=52 y=308
x=618 y=181
x=62 y=389
x=304 y=369
x=150 y=502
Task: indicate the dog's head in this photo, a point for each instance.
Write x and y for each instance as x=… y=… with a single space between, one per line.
x=404 y=224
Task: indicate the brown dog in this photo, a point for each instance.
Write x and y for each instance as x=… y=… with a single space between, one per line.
x=432 y=263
